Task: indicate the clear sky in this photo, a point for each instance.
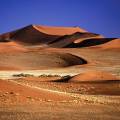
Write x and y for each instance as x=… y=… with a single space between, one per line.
x=99 y=16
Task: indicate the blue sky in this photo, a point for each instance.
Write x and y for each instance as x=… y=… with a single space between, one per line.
x=99 y=16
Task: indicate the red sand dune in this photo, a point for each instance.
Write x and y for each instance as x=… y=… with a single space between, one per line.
x=34 y=34
x=97 y=43
x=8 y=67
x=39 y=60
x=68 y=40
x=58 y=30
x=90 y=76
x=48 y=36
x=111 y=44
x=68 y=37
x=104 y=43
x=10 y=47
x=85 y=36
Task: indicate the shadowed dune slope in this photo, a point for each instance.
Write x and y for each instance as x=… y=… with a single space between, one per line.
x=37 y=60
x=67 y=40
x=111 y=44
x=58 y=37
x=93 y=76
x=33 y=34
x=97 y=42
x=28 y=36
x=46 y=36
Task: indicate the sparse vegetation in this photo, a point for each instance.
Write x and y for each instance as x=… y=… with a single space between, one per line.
x=30 y=75
x=23 y=75
x=44 y=75
x=63 y=79
x=66 y=77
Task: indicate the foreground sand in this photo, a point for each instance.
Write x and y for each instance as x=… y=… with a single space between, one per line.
x=23 y=99
x=60 y=111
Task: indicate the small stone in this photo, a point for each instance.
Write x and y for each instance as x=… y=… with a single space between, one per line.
x=29 y=97
x=76 y=101
x=11 y=92
x=6 y=92
x=1 y=95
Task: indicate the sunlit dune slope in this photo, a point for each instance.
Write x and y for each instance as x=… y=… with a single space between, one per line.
x=96 y=42
x=58 y=37
x=71 y=40
x=93 y=76
x=11 y=47
x=37 y=60
x=34 y=34
x=111 y=44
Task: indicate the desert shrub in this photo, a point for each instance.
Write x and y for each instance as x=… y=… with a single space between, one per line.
x=44 y=75
x=63 y=79
x=23 y=75
x=66 y=77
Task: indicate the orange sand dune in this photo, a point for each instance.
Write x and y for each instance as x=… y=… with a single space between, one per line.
x=91 y=42
x=58 y=37
x=90 y=76
x=88 y=35
x=8 y=67
x=58 y=30
x=68 y=40
x=34 y=34
x=11 y=47
x=111 y=44
x=39 y=60
x=104 y=43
